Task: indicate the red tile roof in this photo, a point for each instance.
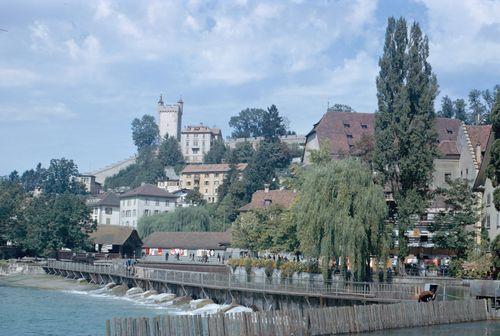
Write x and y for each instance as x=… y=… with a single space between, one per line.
x=211 y=168
x=147 y=190
x=344 y=129
x=479 y=135
x=262 y=199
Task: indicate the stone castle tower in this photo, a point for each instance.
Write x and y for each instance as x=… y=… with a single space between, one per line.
x=170 y=118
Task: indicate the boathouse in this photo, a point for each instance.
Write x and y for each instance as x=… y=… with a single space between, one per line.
x=173 y=246
x=122 y=241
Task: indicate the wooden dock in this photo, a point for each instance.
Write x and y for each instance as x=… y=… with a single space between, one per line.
x=317 y=321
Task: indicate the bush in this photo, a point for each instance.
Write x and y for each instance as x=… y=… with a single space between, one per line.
x=248 y=265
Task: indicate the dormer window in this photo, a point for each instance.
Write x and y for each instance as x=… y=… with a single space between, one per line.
x=349 y=136
x=449 y=131
x=267 y=202
x=346 y=125
x=364 y=126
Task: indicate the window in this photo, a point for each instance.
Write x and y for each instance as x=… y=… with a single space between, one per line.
x=206 y=191
x=467 y=172
x=108 y=221
x=487 y=222
x=207 y=175
x=351 y=146
x=207 y=182
x=146 y=202
x=146 y=212
x=195 y=143
x=156 y=212
x=447 y=177
x=449 y=131
x=363 y=126
x=349 y=136
x=157 y=202
x=134 y=213
x=167 y=203
x=128 y=202
x=216 y=174
x=488 y=199
x=95 y=211
x=216 y=183
x=188 y=183
x=108 y=211
x=498 y=220
x=128 y=213
x=346 y=125
x=267 y=202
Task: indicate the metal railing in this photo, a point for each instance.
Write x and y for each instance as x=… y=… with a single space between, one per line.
x=351 y=289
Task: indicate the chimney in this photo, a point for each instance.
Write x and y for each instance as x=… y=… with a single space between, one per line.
x=266 y=187
x=478 y=154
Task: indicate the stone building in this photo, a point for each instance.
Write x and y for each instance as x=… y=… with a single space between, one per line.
x=461 y=149
x=206 y=178
x=92 y=186
x=196 y=141
x=145 y=200
x=170 y=118
x=105 y=209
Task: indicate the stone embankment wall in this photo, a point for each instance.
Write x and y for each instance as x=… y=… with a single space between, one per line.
x=15 y=267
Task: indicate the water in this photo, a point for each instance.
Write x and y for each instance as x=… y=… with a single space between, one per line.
x=44 y=305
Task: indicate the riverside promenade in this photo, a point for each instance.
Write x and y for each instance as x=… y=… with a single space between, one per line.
x=226 y=288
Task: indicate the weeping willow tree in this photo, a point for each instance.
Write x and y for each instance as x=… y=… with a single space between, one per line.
x=340 y=214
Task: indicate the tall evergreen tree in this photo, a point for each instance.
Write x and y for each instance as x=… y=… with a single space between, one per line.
x=405 y=135
x=447 y=108
x=478 y=114
x=460 y=107
x=170 y=153
x=216 y=153
x=273 y=125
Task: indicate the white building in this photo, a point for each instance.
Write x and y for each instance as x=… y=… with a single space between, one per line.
x=105 y=209
x=196 y=141
x=145 y=200
x=171 y=181
x=170 y=118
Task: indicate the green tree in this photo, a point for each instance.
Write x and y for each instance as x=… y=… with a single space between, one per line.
x=340 y=213
x=170 y=153
x=12 y=199
x=460 y=108
x=145 y=132
x=269 y=157
x=495 y=249
x=216 y=153
x=322 y=155
x=273 y=125
x=194 y=197
x=248 y=123
x=493 y=169
x=52 y=222
x=340 y=108
x=33 y=179
x=479 y=112
x=188 y=219
x=405 y=137
x=451 y=227
x=242 y=153
x=447 y=108
x=60 y=178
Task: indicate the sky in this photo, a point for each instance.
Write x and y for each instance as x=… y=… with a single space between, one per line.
x=74 y=74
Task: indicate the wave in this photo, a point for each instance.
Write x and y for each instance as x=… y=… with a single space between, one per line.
x=162 y=301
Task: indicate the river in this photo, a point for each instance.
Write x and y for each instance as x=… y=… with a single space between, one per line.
x=44 y=305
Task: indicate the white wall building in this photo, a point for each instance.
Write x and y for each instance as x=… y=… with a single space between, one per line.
x=145 y=200
x=196 y=141
x=105 y=209
x=170 y=118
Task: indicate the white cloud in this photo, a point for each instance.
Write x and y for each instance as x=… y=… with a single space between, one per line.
x=464 y=34
x=35 y=113
x=352 y=83
x=17 y=77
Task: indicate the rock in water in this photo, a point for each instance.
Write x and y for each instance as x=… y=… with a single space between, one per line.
x=197 y=304
x=110 y=285
x=81 y=281
x=149 y=293
x=164 y=297
x=182 y=300
x=119 y=290
x=134 y=291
